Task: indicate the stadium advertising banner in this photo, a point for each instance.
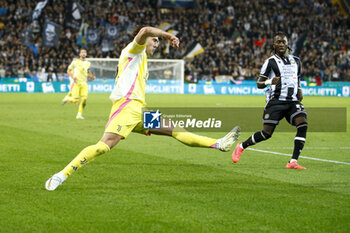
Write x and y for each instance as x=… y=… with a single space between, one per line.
x=51 y=87
x=219 y=89
x=156 y=86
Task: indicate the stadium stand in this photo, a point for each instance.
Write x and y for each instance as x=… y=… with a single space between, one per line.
x=235 y=35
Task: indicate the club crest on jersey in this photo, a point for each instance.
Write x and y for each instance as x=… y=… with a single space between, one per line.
x=267 y=116
x=119 y=128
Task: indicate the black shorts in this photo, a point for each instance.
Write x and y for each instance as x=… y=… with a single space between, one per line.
x=275 y=110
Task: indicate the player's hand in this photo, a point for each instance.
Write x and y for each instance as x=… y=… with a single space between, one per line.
x=275 y=80
x=92 y=77
x=300 y=95
x=174 y=42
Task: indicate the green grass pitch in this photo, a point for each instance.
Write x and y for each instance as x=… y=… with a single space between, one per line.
x=156 y=184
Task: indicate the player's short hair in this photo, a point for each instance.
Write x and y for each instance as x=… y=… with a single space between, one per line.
x=279 y=33
x=82 y=49
x=137 y=29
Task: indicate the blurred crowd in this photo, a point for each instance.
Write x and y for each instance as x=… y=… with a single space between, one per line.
x=236 y=35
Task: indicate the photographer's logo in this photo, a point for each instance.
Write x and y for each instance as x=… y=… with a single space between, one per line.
x=151 y=120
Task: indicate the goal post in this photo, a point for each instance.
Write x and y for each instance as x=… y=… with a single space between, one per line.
x=165 y=75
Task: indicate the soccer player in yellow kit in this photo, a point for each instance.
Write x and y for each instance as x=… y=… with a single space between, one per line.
x=79 y=71
x=128 y=98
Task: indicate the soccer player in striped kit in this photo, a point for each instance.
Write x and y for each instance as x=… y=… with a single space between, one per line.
x=281 y=72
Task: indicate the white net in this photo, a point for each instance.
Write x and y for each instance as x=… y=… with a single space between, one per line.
x=167 y=73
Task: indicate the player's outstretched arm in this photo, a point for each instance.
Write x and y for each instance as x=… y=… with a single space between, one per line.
x=264 y=81
x=146 y=32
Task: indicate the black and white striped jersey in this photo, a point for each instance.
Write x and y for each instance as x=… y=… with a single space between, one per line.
x=289 y=69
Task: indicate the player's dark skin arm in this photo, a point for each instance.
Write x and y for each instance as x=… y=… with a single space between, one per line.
x=300 y=93
x=261 y=83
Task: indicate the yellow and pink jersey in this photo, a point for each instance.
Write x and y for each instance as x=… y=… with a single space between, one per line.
x=132 y=74
x=80 y=69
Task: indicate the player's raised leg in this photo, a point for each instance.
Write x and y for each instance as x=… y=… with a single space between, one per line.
x=194 y=140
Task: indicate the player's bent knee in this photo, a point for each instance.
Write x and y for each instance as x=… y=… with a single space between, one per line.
x=168 y=131
x=300 y=120
x=162 y=131
x=111 y=139
x=268 y=130
x=266 y=135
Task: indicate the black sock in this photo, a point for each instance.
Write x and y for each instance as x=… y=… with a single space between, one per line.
x=299 y=140
x=255 y=138
x=298 y=146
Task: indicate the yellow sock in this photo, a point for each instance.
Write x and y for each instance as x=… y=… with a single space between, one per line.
x=82 y=105
x=86 y=155
x=192 y=139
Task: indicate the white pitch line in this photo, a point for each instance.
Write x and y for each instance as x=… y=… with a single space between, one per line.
x=305 y=157
x=311 y=148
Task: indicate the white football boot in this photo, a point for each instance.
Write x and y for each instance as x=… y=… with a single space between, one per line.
x=80 y=116
x=55 y=181
x=226 y=143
